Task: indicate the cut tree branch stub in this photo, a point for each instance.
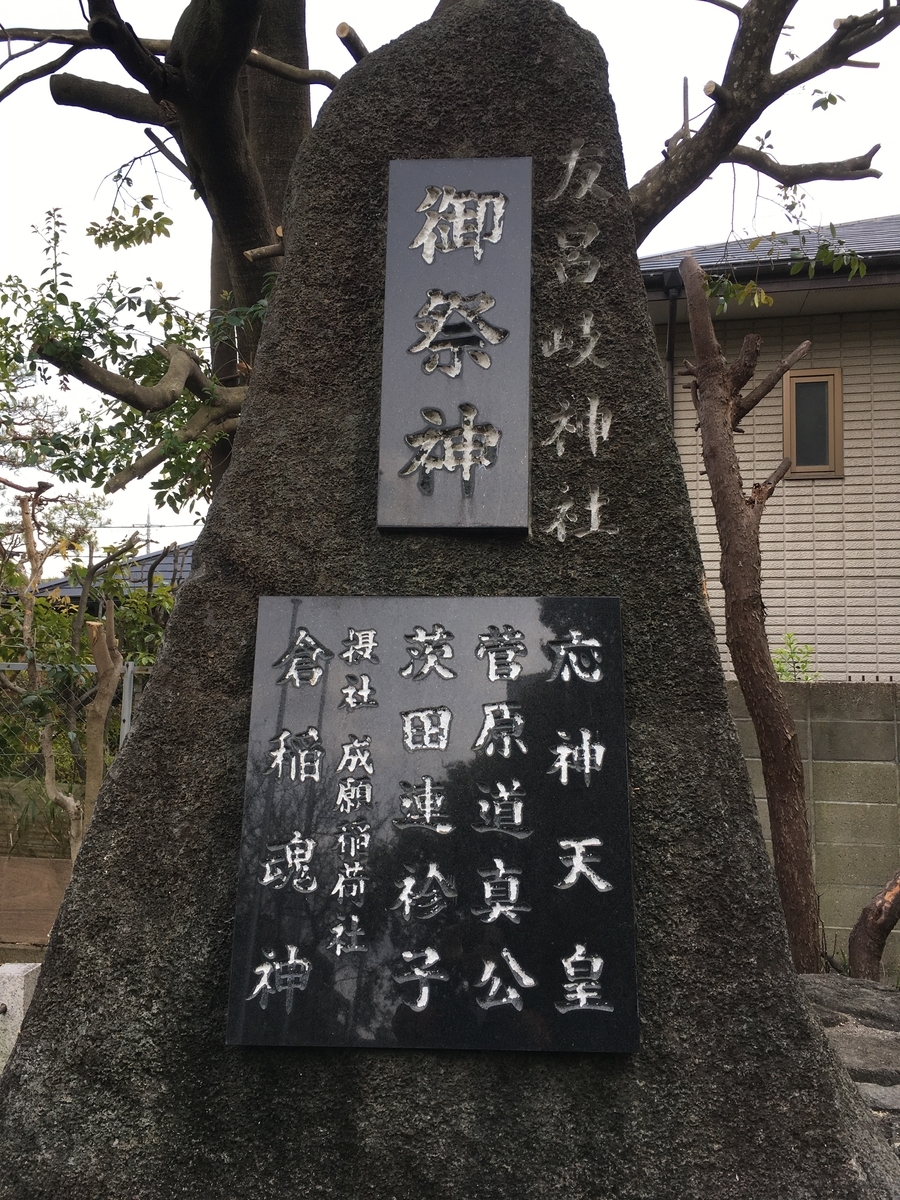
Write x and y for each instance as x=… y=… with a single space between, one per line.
x=745 y=404
x=351 y=40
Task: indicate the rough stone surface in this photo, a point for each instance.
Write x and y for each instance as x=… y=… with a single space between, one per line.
x=121 y=1084
x=17 y=984
x=836 y=999
x=884 y=1099
x=862 y=1022
x=870 y=1055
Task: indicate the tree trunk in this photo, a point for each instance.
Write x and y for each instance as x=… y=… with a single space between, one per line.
x=278 y=109
x=737 y=523
x=109 y=662
x=70 y=806
x=869 y=934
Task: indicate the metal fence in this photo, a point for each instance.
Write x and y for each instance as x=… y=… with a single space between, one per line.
x=30 y=824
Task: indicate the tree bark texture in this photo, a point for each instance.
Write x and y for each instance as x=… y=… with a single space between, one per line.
x=737 y=523
x=109 y=663
x=733 y=1093
x=871 y=931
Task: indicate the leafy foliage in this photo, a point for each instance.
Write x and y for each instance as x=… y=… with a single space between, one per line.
x=57 y=681
x=793 y=662
x=118 y=232
x=825 y=100
x=118 y=328
x=806 y=248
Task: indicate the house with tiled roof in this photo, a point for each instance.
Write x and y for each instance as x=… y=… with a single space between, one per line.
x=171 y=566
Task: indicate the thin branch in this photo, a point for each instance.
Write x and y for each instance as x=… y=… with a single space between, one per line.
x=67 y=803
x=71 y=37
x=12 y=55
x=732 y=8
x=34 y=489
x=11 y=687
x=40 y=72
x=352 y=42
x=154 y=563
x=859 y=167
x=284 y=70
x=746 y=404
x=777 y=475
x=93 y=570
x=172 y=158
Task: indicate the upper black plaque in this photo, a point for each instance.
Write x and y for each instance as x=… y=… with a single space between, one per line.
x=455 y=435
x=436 y=839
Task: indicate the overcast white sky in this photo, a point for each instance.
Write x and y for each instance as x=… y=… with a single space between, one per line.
x=59 y=157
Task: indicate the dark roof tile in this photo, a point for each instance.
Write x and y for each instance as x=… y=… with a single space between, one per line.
x=872 y=239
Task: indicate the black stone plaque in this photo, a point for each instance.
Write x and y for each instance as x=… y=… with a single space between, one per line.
x=454 y=442
x=436 y=839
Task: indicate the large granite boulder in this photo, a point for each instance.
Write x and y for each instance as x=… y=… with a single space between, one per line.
x=121 y=1084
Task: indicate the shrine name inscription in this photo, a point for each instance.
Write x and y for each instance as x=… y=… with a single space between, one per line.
x=455 y=432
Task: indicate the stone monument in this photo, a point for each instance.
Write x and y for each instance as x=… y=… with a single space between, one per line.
x=123 y=1083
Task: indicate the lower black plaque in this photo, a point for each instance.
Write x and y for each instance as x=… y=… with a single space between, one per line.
x=436 y=841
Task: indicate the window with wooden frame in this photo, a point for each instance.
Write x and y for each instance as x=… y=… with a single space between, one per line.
x=813 y=424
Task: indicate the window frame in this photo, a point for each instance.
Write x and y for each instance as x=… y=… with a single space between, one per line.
x=834 y=469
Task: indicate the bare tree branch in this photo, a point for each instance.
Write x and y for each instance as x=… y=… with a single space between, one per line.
x=40 y=72
x=12 y=55
x=287 y=71
x=745 y=404
x=154 y=563
x=760 y=492
x=71 y=37
x=741 y=370
x=67 y=803
x=172 y=158
x=33 y=489
x=852 y=34
x=859 y=167
x=352 y=42
x=748 y=87
x=732 y=8
x=127 y=104
x=109 y=662
x=91 y=573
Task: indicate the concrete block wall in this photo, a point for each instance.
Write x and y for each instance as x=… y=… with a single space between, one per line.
x=849 y=737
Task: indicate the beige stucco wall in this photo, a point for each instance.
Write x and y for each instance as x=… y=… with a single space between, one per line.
x=831 y=547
